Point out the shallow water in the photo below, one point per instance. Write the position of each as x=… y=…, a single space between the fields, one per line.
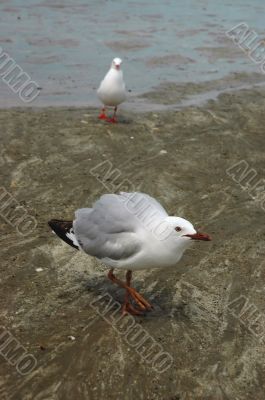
x=174 y=56
x=66 y=46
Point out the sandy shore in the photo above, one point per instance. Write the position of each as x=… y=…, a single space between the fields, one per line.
x=48 y=161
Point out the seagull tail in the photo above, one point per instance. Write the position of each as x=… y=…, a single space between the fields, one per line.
x=64 y=229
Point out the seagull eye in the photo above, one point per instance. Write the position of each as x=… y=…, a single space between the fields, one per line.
x=178 y=229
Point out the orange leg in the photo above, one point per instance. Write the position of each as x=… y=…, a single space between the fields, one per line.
x=130 y=293
x=103 y=115
x=127 y=307
x=113 y=120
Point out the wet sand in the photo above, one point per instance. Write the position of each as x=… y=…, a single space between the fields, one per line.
x=180 y=157
x=67 y=47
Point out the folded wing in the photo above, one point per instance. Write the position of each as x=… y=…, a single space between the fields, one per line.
x=112 y=227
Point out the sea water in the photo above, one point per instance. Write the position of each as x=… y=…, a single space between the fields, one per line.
x=66 y=46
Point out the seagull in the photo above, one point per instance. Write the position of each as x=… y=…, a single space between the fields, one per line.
x=111 y=91
x=129 y=231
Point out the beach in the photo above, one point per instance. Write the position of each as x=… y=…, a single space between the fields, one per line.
x=55 y=160
x=191 y=134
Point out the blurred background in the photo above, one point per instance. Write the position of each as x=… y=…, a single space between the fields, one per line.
x=66 y=46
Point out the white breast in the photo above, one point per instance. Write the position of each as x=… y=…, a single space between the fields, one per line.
x=112 y=89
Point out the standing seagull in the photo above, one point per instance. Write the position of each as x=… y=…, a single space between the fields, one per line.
x=111 y=91
x=129 y=231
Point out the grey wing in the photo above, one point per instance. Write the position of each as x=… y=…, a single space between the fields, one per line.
x=146 y=200
x=107 y=230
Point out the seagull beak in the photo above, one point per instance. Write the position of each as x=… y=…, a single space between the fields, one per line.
x=199 y=236
x=117 y=66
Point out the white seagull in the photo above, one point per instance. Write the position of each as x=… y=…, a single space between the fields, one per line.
x=112 y=90
x=129 y=231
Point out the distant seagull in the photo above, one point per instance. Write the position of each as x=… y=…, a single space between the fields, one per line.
x=112 y=91
x=129 y=231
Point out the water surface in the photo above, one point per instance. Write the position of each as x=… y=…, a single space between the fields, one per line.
x=66 y=46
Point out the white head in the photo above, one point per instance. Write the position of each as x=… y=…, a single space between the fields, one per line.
x=183 y=233
x=116 y=63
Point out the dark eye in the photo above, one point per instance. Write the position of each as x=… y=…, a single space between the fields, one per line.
x=178 y=228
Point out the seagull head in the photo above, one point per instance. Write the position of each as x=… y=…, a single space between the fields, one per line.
x=184 y=231
x=116 y=63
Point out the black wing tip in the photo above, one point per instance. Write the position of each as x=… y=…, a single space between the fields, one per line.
x=61 y=228
x=52 y=222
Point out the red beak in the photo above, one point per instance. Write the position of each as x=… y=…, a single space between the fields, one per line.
x=117 y=66
x=199 y=236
